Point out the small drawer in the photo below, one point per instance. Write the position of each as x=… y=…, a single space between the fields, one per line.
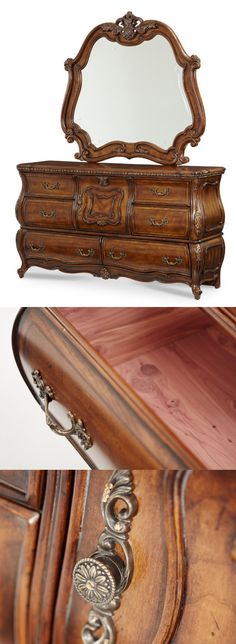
x=102 y=204
x=160 y=222
x=23 y=486
x=47 y=213
x=67 y=248
x=51 y=185
x=162 y=191
x=147 y=256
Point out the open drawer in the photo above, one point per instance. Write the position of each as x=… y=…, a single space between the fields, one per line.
x=147 y=387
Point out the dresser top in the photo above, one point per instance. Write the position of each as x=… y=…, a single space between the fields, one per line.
x=124 y=169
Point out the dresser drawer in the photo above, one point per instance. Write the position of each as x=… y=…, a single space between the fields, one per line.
x=23 y=486
x=47 y=213
x=102 y=204
x=53 y=185
x=68 y=248
x=147 y=256
x=162 y=191
x=160 y=222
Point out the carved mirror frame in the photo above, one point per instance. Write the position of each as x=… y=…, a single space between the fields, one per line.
x=130 y=31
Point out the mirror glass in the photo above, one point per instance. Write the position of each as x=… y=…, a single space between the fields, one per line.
x=133 y=94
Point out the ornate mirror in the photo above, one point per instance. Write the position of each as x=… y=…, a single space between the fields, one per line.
x=132 y=92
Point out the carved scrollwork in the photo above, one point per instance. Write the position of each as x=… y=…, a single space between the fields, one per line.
x=198 y=222
x=103 y=577
x=129 y=26
x=102 y=207
x=104 y=273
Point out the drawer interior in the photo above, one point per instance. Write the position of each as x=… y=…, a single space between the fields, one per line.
x=180 y=362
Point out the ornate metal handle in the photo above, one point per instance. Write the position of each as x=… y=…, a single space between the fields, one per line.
x=77 y=426
x=103 y=577
x=160 y=193
x=167 y=260
x=36 y=249
x=90 y=252
x=103 y=181
x=155 y=222
x=111 y=254
x=44 y=213
x=51 y=186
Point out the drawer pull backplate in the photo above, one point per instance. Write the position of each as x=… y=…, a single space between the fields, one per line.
x=112 y=255
x=160 y=193
x=77 y=426
x=102 y=578
x=174 y=262
x=86 y=253
x=155 y=222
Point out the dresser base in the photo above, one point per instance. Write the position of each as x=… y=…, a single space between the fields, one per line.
x=143 y=222
x=202 y=275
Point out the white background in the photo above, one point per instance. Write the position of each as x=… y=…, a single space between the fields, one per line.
x=36 y=38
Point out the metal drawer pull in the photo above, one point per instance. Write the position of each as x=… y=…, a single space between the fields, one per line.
x=177 y=260
x=155 y=222
x=36 y=249
x=51 y=186
x=90 y=252
x=44 y=213
x=101 y=578
x=77 y=426
x=160 y=193
x=111 y=254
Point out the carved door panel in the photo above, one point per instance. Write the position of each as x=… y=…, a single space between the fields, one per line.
x=102 y=204
x=184 y=548
x=18 y=537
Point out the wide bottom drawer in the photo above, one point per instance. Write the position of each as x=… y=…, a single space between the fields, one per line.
x=67 y=248
x=147 y=256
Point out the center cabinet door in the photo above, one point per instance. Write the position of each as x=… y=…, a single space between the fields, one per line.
x=183 y=542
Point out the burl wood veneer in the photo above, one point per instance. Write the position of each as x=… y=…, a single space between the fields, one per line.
x=184 y=550
x=152 y=387
x=145 y=222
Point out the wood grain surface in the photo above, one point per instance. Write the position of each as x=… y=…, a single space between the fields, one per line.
x=183 y=540
x=181 y=363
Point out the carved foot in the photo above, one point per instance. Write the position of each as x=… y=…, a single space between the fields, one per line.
x=196 y=292
x=22 y=270
x=217 y=282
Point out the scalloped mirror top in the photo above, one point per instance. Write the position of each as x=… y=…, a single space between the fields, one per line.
x=132 y=92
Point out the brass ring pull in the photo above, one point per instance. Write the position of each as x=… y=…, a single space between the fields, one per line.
x=102 y=578
x=160 y=193
x=77 y=426
x=111 y=254
x=35 y=249
x=167 y=260
x=155 y=222
x=51 y=186
x=44 y=213
x=90 y=252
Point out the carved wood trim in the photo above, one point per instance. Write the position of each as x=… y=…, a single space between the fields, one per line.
x=132 y=31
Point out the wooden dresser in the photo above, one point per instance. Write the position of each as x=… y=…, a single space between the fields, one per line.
x=141 y=221
x=183 y=542
x=143 y=388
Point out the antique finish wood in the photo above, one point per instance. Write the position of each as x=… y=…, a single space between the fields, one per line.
x=144 y=222
x=25 y=486
x=18 y=538
x=152 y=387
x=183 y=543
x=132 y=31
